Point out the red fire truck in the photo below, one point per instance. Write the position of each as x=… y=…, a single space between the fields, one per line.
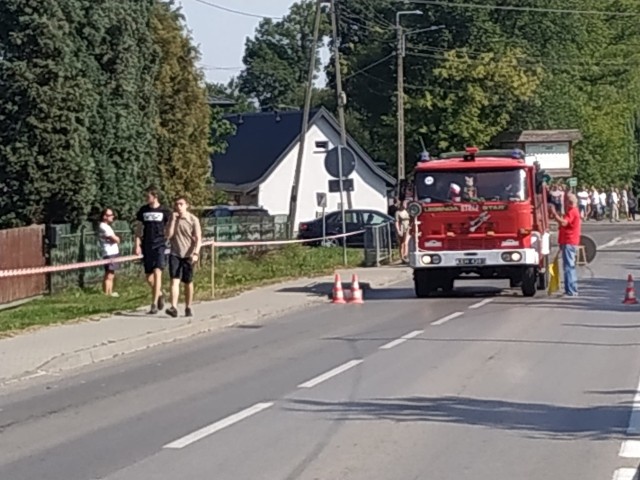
x=478 y=214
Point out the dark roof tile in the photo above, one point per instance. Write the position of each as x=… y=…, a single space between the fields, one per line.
x=260 y=140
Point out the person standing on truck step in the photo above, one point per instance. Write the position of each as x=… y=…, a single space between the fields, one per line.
x=151 y=239
x=185 y=237
x=569 y=239
x=403 y=222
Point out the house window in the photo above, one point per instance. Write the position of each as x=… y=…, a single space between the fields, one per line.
x=322 y=146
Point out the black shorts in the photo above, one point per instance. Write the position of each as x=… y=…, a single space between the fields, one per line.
x=153 y=259
x=180 y=269
x=111 y=267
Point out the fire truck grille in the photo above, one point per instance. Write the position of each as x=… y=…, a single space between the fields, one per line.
x=472 y=244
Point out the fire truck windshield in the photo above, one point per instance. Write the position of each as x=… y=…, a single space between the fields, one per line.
x=465 y=186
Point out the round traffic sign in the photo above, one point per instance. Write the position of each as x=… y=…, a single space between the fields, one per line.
x=590 y=248
x=348 y=162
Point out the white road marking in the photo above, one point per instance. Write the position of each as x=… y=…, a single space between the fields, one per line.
x=401 y=340
x=628 y=242
x=630 y=449
x=217 y=426
x=447 y=318
x=611 y=243
x=331 y=373
x=634 y=419
x=481 y=304
x=625 y=474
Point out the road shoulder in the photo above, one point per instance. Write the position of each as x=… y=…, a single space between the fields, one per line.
x=64 y=347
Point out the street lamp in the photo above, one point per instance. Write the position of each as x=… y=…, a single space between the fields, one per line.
x=400 y=93
x=421 y=30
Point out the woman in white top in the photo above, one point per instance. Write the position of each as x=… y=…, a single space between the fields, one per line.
x=109 y=242
x=624 y=202
x=583 y=203
x=403 y=222
x=595 y=204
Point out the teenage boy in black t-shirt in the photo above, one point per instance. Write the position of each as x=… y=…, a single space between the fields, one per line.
x=151 y=242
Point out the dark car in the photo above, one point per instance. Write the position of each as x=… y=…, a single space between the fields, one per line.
x=355 y=220
x=227 y=211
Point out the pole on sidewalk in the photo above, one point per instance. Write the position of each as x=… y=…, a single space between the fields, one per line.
x=400 y=101
x=213 y=271
x=343 y=134
x=295 y=189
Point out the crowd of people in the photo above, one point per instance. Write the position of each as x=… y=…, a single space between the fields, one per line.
x=614 y=203
x=162 y=236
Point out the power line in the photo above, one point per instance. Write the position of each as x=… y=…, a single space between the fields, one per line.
x=356 y=20
x=368 y=67
x=237 y=12
x=529 y=60
x=442 y=3
x=213 y=67
x=374 y=13
x=413 y=87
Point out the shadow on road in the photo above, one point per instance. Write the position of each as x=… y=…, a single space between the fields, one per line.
x=596 y=294
x=617 y=250
x=395 y=293
x=537 y=420
x=497 y=341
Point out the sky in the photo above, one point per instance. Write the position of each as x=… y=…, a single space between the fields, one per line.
x=221 y=35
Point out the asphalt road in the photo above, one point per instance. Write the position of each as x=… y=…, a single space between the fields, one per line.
x=485 y=385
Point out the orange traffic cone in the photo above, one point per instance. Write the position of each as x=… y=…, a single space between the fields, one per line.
x=630 y=294
x=338 y=294
x=356 y=292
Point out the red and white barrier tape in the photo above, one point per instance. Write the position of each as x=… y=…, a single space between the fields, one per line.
x=22 y=272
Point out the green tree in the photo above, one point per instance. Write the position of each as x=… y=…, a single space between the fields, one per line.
x=123 y=128
x=481 y=96
x=182 y=126
x=47 y=173
x=571 y=70
x=277 y=59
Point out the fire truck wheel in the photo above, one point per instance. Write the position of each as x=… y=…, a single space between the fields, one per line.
x=422 y=285
x=529 y=282
x=543 y=280
x=447 y=285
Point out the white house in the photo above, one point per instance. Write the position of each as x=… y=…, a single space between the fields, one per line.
x=552 y=148
x=259 y=164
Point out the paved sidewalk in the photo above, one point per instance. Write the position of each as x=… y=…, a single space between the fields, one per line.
x=69 y=346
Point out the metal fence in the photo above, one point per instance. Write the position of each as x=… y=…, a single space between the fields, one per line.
x=249 y=229
x=378 y=244
x=82 y=244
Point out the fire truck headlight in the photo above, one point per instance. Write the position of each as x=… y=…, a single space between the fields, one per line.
x=431 y=259
x=511 y=256
x=414 y=209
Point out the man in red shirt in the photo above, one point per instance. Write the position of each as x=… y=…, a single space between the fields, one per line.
x=569 y=239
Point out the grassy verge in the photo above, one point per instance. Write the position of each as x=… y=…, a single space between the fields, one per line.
x=231 y=276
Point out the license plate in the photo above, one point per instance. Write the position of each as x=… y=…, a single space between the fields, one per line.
x=471 y=261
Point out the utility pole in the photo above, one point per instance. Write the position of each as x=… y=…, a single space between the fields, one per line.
x=295 y=189
x=343 y=132
x=400 y=105
x=400 y=93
